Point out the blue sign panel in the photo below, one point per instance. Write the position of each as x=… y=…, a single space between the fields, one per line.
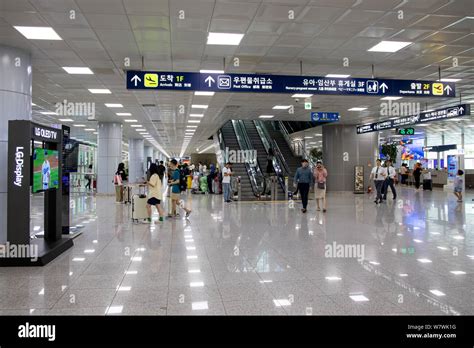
x=324 y=116
x=188 y=81
x=423 y=117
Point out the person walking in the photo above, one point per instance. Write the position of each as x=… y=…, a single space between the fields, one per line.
x=119 y=179
x=404 y=173
x=155 y=194
x=161 y=171
x=210 y=177
x=459 y=185
x=417 y=175
x=378 y=174
x=303 y=179
x=88 y=177
x=389 y=180
x=175 y=183
x=320 y=174
x=226 y=176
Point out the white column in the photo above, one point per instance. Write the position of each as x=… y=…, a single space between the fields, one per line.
x=136 y=160
x=109 y=155
x=15 y=104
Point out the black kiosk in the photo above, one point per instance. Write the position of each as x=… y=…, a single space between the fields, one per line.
x=25 y=171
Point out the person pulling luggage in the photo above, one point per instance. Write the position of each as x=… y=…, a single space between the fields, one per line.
x=155 y=194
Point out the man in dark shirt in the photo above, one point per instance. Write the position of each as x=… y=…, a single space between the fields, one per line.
x=161 y=171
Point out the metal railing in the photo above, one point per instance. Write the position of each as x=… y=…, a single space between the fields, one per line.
x=253 y=169
x=280 y=164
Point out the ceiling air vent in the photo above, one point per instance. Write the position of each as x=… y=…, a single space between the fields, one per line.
x=149 y=105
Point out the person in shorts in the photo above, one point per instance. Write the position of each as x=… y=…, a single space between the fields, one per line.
x=155 y=194
x=459 y=185
x=175 y=194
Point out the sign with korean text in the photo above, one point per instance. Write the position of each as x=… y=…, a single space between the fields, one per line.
x=324 y=116
x=423 y=117
x=190 y=81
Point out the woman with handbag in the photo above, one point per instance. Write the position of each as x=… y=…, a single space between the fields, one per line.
x=320 y=174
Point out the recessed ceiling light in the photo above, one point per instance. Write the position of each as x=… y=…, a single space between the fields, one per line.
x=301 y=95
x=281 y=107
x=136 y=125
x=199 y=106
x=141 y=130
x=204 y=71
x=308 y=137
x=123 y=114
x=198 y=306
x=449 y=80
x=332 y=278
x=100 y=91
x=389 y=46
x=224 y=39
x=196 y=115
x=47 y=113
x=38 y=33
x=341 y=76
x=90 y=129
x=109 y=105
x=79 y=125
x=391 y=98
x=78 y=70
x=66 y=120
x=130 y=121
x=194 y=121
x=190 y=126
x=33 y=104
x=357 y=109
x=266 y=116
x=205 y=94
x=403 y=275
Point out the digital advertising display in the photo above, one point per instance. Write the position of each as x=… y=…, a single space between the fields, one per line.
x=45 y=170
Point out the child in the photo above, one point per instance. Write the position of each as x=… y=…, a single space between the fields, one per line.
x=155 y=196
x=174 y=181
x=459 y=185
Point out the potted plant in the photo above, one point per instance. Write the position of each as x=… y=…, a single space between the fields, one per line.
x=390 y=151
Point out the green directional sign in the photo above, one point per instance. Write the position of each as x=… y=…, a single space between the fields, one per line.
x=406 y=131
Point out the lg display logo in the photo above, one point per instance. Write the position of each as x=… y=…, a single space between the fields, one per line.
x=19 y=163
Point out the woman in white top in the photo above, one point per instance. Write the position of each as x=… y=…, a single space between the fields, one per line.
x=155 y=194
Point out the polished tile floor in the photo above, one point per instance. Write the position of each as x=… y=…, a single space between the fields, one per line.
x=410 y=256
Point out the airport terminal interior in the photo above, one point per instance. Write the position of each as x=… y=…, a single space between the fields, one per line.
x=255 y=126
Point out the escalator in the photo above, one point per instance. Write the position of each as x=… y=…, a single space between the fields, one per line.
x=249 y=191
x=278 y=134
x=261 y=144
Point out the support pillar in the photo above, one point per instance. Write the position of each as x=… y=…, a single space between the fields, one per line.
x=15 y=104
x=343 y=149
x=109 y=149
x=136 y=160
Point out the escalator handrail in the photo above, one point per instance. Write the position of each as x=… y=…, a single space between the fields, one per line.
x=244 y=144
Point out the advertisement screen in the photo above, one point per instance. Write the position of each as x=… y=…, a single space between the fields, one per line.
x=45 y=170
x=412 y=152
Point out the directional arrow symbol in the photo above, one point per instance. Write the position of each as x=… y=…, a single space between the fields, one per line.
x=136 y=79
x=209 y=80
x=461 y=109
x=383 y=87
x=448 y=89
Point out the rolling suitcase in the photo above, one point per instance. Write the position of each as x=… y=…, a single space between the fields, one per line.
x=139 y=211
x=427 y=184
x=127 y=194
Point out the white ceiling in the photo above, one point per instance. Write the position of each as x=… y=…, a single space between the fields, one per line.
x=323 y=32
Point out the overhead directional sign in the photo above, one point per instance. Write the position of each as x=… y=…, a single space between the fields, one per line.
x=440 y=148
x=324 y=116
x=188 y=81
x=423 y=117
